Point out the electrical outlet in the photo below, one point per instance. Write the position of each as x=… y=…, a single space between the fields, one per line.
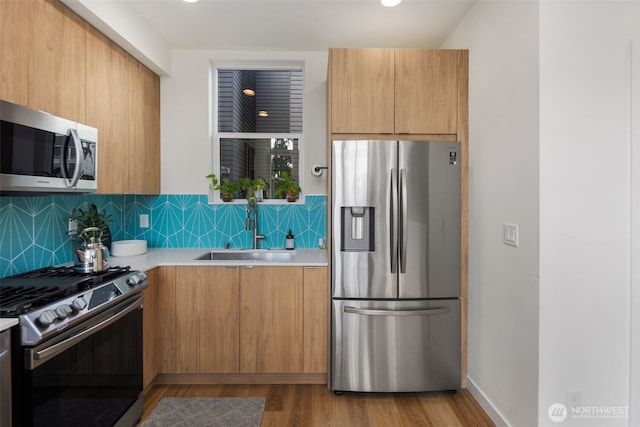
x=72 y=227
x=574 y=399
x=510 y=234
x=144 y=221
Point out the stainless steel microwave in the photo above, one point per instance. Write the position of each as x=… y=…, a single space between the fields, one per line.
x=42 y=153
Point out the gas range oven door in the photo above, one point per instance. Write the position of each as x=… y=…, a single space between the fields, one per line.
x=88 y=375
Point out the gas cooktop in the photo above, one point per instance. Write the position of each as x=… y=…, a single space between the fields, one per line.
x=24 y=292
x=50 y=299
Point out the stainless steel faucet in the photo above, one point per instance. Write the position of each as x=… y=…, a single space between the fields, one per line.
x=252 y=205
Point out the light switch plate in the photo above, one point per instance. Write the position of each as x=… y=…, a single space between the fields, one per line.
x=144 y=221
x=510 y=234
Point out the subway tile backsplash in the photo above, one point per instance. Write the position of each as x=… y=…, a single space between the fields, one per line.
x=33 y=229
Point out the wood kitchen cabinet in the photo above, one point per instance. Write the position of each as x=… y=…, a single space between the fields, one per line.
x=271 y=316
x=166 y=319
x=52 y=60
x=206 y=339
x=361 y=82
x=149 y=328
x=394 y=91
x=108 y=85
x=57 y=61
x=14 y=45
x=316 y=326
x=143 y=155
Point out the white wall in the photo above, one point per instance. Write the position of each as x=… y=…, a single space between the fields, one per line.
x=585 y=205
x=186 y=134
x=502 y=38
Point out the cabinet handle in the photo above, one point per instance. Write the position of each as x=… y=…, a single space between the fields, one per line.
x=247 y=266
x=311 y=267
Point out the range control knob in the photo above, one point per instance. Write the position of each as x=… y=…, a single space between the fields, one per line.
x=47 y=318
x=63 y=310
x=78 y=304
x=136 y=279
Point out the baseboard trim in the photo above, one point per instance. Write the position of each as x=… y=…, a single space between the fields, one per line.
x=167 y=379
x=486 y=404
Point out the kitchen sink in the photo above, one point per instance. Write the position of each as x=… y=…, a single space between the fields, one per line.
x=248 y=255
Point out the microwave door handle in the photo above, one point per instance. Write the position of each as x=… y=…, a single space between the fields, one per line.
x=393 y=226
x=73 y=134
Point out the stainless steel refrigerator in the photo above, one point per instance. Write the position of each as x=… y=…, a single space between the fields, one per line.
x=395 y=266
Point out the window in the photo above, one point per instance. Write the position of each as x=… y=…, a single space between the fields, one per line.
x=259 y=125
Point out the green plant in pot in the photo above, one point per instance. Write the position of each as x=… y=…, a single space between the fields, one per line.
x=286 y=187
x=91 y=217
x=214 y=181
x=247 y=186
x=259 y=186
x=227 y=189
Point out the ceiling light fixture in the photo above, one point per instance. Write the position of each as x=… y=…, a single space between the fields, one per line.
x=249 y=92
x=263 y=113
x=390 y=3
x=190 y=1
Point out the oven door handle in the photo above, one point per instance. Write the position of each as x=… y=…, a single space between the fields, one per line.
x=41 y=356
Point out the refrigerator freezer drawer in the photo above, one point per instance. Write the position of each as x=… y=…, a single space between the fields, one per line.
x=395 y=346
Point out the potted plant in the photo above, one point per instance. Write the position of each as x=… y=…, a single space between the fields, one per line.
x=227 y=189
x=286 y=186
x=212 y=185
x=246 y=185
x=259 y=186
x=91 y=217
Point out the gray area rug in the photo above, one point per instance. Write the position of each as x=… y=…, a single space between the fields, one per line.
x=207 y=411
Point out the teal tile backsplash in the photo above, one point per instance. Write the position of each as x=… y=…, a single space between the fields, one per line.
x=33 y=229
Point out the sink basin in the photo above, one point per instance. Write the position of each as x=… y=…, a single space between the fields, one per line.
x=248 y=255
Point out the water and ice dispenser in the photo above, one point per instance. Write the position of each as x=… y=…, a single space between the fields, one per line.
x=357 y=225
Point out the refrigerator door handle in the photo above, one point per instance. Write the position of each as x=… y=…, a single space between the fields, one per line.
x=393 y=221
x=403 y=220
x=421 y=312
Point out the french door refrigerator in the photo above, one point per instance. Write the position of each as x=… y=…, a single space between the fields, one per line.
x=395 y=266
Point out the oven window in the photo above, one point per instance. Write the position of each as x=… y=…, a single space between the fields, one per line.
x=90 y=384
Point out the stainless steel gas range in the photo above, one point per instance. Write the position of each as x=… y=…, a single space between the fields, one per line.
x=77 y=351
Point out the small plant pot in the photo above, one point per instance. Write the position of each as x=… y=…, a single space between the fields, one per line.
x=292 y=197
x=226 y=197
x=259 y=195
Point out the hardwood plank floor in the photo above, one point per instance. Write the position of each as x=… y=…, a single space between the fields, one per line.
x=316 y=405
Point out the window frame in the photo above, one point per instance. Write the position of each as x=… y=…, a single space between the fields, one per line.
x=216 y=135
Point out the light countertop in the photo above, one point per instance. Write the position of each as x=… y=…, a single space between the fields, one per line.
x=156 y=257
x=7 y=323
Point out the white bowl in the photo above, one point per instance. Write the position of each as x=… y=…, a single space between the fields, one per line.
x=128 y=247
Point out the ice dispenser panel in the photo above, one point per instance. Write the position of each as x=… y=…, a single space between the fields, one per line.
x=357 y=224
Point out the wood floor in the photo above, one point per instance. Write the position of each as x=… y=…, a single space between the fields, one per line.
x=316 y=405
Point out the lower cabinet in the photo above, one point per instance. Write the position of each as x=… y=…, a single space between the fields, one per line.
x=149 y=325
x=271 y=328
x=241 y=320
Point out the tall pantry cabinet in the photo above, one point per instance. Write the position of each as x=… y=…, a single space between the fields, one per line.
x=403 y=94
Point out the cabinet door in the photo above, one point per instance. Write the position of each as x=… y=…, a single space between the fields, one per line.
x=316 y=320
x=166 y=320
x=207 y=320
x=149 y=327
x=108 y=82
x=57 y=61
x=271 y=320
x=15 y=39
x=426 y=91
x=362 y=90
x=144 y=131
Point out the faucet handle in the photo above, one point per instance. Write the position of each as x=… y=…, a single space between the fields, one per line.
x=227 y=245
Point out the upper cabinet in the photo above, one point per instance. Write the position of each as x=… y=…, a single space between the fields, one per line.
x=54 y=61
x=394 y=91
x=361 y=82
